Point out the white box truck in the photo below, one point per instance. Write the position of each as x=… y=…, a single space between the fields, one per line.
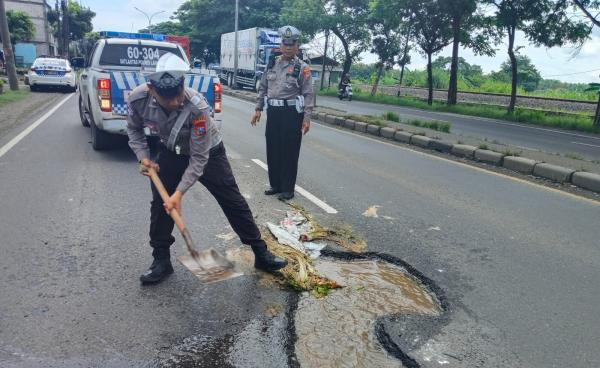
x=255 y=47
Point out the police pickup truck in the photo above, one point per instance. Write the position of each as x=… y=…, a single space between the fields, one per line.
x=114 y=67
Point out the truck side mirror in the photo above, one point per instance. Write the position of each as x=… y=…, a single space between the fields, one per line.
x=77 y=62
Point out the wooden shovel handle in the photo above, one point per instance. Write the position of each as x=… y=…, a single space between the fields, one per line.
x=165 y=197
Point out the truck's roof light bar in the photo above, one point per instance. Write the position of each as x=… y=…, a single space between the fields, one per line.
x=133 y=36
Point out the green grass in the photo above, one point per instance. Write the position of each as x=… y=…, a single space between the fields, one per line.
x=523 y=115
x=392 y=116
x=435 y=125
x=12 y=96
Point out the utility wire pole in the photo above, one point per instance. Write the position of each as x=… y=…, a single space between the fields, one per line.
x=65 y=28
x=9 y=58
x=324 y=57
x=235 y=48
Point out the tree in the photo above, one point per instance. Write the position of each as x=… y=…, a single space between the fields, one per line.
x=432 y=32
x=169 y=27
x=595 y=87
x=403 y=59
x=470 y=73
x=346 y=19
x=20 y=26
x=80 y=20
x=544 y=22
x=205 y=20
x=70 y=22
x=528 y=77
x=460 y=12
x=385 y=26
x=588 y=7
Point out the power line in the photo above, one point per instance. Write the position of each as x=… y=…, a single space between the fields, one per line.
x=563 y=75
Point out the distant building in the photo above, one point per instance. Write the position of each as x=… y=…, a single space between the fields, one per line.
x=37 y=10
x=333 y=71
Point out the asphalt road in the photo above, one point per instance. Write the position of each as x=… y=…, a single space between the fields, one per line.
x=525 y=136
x=516 y=263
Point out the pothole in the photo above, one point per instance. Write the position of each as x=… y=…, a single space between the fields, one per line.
x=339 y=330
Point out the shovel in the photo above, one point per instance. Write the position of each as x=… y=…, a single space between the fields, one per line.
x=208 y=265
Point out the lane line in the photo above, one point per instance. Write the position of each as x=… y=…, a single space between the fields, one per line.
x=467 y=166
x=30 y=128
x=586 y=144
x=319 y=203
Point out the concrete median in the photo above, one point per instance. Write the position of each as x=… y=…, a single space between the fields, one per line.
x=387 y=132
x=359 y=126
x=441 y=146
x=463 y=150
x=373 y=129
x=403 y=137
x=339 y=121
x=553 y=172
x=489 y=157
x=349 y=124
x=420 y=140
x=586 y=180
x=330 y=119
x=519 y=164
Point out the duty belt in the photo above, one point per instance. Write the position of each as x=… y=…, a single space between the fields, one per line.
x=279 y=103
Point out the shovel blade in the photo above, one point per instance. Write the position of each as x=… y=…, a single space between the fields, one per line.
x=210 y=266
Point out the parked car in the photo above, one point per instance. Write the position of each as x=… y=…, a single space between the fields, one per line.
x=52 y=72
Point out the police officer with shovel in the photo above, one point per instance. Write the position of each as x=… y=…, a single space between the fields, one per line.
x=190 y=150
x=286 y=91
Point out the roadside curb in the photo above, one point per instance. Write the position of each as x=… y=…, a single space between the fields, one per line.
x=559 y=174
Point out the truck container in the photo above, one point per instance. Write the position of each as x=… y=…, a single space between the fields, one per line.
x=255 y=47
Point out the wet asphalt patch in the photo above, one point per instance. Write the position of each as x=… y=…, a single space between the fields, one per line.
x=349 y=327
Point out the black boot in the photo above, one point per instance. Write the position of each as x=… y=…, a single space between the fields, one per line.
x=272 y=191
x=265 y=260
x=286 y=196
x=158 y=271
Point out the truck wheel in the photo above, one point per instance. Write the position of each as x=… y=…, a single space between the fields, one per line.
x=82 y=114
x=100 y=139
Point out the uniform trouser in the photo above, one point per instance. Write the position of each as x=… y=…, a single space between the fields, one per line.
x=218 y=179
x=284 y=136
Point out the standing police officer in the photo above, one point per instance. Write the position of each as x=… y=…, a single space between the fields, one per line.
x=286 y=88
x=190 y=150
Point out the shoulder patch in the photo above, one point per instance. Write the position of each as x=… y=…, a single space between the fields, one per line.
x=199 y=125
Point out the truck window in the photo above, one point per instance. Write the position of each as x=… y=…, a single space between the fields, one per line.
x=88 y=60
x=135 y=55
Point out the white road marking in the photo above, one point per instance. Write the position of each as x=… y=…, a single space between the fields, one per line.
x=30 y=128
x=324 y=206
x=586 y=144
x=471 y=167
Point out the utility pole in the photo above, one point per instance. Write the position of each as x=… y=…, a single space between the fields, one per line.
x=9 y=58
x=235 y=48
x=65 y=28
x=324 y=57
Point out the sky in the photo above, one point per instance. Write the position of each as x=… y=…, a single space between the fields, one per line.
x=556 y=63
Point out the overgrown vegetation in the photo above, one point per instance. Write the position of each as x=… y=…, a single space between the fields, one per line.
x=12 y=96
x=547 y=118
x=472 y=79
